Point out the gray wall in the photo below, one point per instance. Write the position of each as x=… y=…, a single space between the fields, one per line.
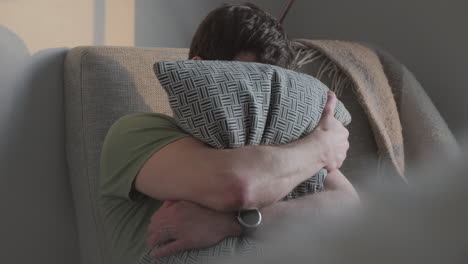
x=429 y=36
x=172 y=23
x=166 y=24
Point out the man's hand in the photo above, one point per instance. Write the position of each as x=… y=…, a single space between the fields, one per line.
x=185 y=225
x=332 y=135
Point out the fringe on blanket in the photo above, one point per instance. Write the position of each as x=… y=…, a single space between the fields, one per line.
x=305 y=55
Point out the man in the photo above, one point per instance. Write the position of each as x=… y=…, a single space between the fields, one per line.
x=147 y=159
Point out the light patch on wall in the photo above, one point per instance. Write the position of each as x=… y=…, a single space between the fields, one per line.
x=120 y=22
x=44 y=24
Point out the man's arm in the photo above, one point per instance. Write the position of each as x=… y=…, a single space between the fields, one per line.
x=226 y=180
x=251 y=176
x=190 y=225
x=339 y=194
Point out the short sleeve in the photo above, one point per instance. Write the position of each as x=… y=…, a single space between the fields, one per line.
x=129 y=143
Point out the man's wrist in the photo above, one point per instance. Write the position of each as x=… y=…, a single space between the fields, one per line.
x=234 y=227
x=316 y=147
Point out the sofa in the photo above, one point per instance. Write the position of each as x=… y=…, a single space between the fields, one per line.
x=103 y=84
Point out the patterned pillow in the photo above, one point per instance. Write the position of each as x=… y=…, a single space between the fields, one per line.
x=229 y=104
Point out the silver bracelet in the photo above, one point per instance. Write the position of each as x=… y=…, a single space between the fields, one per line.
x=250 y=218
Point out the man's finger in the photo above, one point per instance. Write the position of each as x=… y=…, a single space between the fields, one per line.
x=331 y=103
x=169 y=249
x=155 y=238
x=162 y=235
x=156 y=223
x=329 y=110
x=168 y=203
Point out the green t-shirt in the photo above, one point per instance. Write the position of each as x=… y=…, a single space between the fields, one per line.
x=130 y=142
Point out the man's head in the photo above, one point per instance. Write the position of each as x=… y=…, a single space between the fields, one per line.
x=241 y=32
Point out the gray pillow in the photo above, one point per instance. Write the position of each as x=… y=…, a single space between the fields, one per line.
x=229 y=104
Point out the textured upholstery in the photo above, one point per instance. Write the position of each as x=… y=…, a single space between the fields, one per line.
x=101 y=85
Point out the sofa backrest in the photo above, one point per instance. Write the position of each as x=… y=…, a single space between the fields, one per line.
x=103 y=84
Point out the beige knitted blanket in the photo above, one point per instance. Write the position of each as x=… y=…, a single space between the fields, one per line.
x=364 y=69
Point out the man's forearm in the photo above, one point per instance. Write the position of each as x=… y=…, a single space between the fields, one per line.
x=268 y=173
x=339 y=194
x=229 y=179
x=311 y=205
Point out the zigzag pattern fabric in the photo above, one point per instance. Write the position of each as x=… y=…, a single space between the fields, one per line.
x=225 y=250
x=229 y=104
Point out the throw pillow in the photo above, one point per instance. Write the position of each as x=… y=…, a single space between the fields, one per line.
x=229 y=104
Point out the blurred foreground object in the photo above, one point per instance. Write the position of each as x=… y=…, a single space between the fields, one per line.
x=423 y=224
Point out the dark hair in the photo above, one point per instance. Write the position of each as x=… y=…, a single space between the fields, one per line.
x=231 y=29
